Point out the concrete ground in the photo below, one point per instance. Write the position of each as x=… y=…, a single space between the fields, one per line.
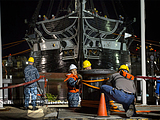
x=62 y=112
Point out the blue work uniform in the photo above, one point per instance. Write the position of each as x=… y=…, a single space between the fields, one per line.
x=121 y=91
x=31 y=73
x=157 y=87
x=73 y=90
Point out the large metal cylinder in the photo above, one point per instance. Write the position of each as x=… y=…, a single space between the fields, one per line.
x=92 y=81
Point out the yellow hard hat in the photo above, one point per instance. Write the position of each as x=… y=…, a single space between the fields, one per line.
x=86 y=64
x=124 y=67
x=31 y=59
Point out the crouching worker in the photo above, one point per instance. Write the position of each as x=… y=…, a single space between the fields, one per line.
x=122 y=90
x=73 y=81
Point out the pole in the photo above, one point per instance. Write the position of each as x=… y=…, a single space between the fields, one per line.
x=81 y=35
x=143 y=54
x=1 y=93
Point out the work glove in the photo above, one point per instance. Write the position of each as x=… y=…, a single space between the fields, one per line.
x=79 y=76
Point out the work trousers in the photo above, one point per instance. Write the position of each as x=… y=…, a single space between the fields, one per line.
x=33 y=92
x=117 y=95
x=158 y=87
x=73 y=99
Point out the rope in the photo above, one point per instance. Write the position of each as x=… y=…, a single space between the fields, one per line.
x=83 y=82
x=22 y=84
x=90 y=86
x=18 y=53
x=114 y=9
x=11 y=46
x=50 y=9
x=95 y=80
x=94 y=104
x=14 y=42
x=138 y=40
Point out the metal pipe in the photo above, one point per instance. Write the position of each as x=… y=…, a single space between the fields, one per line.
x=81 y=35
x=143 y=54
x=1 y=93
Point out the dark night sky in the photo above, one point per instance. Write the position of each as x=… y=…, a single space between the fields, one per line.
x=13 y=13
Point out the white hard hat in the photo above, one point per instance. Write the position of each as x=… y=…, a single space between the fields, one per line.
x=72 y=66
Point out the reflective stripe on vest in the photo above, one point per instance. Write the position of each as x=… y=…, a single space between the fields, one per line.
x=74 y=91
x=127 y=75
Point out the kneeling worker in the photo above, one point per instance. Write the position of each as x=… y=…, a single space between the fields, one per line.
x=122 y=90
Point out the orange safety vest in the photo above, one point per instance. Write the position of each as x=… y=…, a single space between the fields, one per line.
x=71 y=89
x=127 y=75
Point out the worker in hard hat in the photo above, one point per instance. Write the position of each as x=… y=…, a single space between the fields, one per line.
x=157 y=88
x=73 y=81
x=87 y=65
x=122 y=90
x=45 y=17
x=31 y=73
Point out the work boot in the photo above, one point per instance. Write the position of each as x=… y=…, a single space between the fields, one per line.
x=34 y=108
x=157 y=96
x=108 y=113
x=131 y=111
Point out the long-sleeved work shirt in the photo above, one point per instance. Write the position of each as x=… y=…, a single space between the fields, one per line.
x=31 y=73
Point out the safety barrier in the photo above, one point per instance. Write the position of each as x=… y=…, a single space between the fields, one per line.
x=146 y=77
x=143 y=89
x=18 y=96
x=22 y=84
x=85 y=82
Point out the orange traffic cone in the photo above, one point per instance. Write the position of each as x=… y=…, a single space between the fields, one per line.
x=102 y=111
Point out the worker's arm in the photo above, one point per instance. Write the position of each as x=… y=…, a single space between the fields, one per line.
x=71 y=82
x=37 y=74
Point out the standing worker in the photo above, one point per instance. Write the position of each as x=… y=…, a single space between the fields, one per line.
x=87 y=65
x=73 y=81
x=122 y=90
x=31 y=73
x=157 y=90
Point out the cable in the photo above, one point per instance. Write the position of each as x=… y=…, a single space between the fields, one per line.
x=50 y=9
x=115 y=9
